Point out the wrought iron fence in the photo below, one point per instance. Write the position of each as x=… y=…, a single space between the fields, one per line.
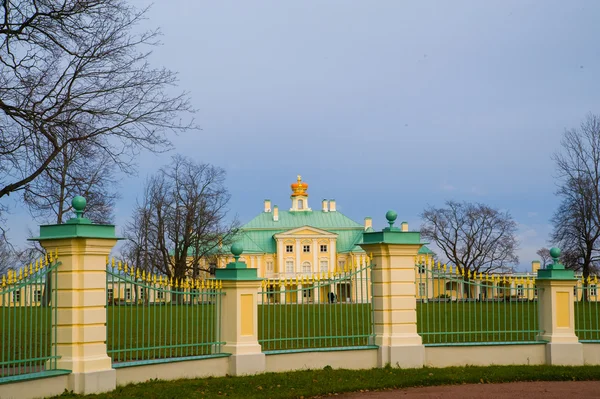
x=454 y=307
x=27 y=321
x=587 y=309
x=323 y=310
x=152 y=317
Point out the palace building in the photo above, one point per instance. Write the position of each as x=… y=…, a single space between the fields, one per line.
x=301 y=241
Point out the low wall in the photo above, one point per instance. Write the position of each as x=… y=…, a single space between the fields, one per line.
x=30 y=389
x=337 y=359
x=485 y=355
x=591 y=354
x=212 y=367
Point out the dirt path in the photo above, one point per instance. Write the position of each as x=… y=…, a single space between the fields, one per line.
x=513 y=390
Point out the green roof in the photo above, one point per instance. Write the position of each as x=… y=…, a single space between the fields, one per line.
x=425 y=251
x=290 y=220
x=256 y=236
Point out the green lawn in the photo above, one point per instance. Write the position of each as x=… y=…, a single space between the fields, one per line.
x=300 y=326
x=461 y=322
x=328 y=382
x=167 y=331
x=161 y=331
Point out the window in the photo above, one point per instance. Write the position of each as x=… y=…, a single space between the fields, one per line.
x=519 y=289
x=300 y=204
x=127 y=293
x=211 y=268
x=38 y=295
x=141 y=296
x=422 y=269
x=306 y=267
x=593 y=290
x=535 y=291
x=306 y=248
x=422 y=290
x=16 y=296
x=160 y=295
x=289 y=249
x=289 y=266
x=341 y=264
x=324 y=266
x=110 y=294
x=323 y=248
x=307 y=293
x=269 y=266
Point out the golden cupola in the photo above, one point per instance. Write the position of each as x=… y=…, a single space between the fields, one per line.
x=299 y=195
x=299 y=188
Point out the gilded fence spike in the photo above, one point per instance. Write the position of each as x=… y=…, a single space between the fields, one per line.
x=203 y=286
x=3 y=281
x=56 y=253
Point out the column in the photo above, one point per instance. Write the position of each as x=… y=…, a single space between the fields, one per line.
x=316 y=252
x=239 y=319
x=297 y=265
x=556 y=311
x=83 y=248
x=394 y=295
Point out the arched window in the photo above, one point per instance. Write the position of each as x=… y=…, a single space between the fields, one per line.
x=306 y=267
x=300 y=204
x=289 y=266
x=324 y=266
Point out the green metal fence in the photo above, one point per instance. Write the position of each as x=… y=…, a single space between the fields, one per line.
x=587 y=310
x=454 y=308
x=151 y=318
x=316 y=311
x=27 y=322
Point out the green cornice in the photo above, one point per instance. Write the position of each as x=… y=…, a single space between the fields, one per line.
x=74 y=230
x=388 y=236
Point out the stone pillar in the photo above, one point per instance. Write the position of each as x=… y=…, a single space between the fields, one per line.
x=394 y=294
x=239 y=316
x=83 y=248
x=556 y=310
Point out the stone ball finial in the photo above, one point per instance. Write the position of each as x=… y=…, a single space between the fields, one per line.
x=391 y=217
x=555 y=253
x=78 y=203
x=237 y=249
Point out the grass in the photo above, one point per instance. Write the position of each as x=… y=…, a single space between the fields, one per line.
x=302 y=326
x=311 y=383
x=137 y=332
x=464 y=322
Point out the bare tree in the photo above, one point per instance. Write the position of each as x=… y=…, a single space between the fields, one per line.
x=7 y=258
x=474 y=237
x=77 y=71
x=544 y=254
x=78 y=170
x=577 y=219
x=182 y=219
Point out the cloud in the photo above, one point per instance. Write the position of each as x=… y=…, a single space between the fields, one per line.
x=447 y=187
x=477 y=191
x=531 y=214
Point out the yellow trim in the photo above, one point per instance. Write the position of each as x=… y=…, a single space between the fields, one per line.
x=563 y=316
x=247 y=313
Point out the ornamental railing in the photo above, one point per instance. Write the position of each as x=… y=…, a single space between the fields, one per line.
x=587 y=309
x=27 y=321
x=457 y=308
x=323 y=311
x=151 y=318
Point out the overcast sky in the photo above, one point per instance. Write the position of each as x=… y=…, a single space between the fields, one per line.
x=380 y=104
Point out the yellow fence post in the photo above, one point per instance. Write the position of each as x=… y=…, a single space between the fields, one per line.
x=394 y=294
x=239 y=316
x=557 y=314
x=80 y=339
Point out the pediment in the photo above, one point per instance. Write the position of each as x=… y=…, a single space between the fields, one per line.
x=306 y=231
